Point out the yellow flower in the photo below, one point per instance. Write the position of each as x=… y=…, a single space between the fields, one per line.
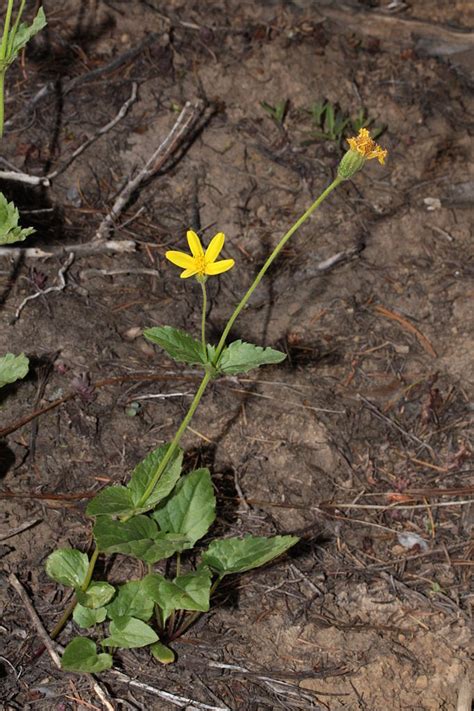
x=367 y=147
x=201 y=263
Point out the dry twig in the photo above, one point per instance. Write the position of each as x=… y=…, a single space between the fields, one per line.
x=184 y=123
x=60 y=287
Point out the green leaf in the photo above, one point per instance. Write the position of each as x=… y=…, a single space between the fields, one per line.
x=97 y=595
x=81 y=655
x=139 y=537
x=240 y=357
x=10 y=230
x=68 y=566
x=12 y=368
x=191 y=509
x=111 y=500
x=143 y=474
x=178 y=344
x=85 y=617
x=236 y=555
x=132 y=600
x=130 y=633
x=162 y=653
x=186 y=592
x=25 y=33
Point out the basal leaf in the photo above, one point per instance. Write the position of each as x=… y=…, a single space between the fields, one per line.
x=178 y=344
x=12 y=368
x=81 y=655
x=10 y=230
x=111 y=500
x=191 y=508
x=97 y=595
x=132 y=600
x=139 y=537
x=85 y=617
x=186 y=592
x=143 y=474
x=236 y=555
x=162 y=653
x=67 y=566
x=129 y=633
x=240 y=357
x=133 y=536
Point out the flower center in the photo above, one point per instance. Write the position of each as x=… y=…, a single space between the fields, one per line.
x=200 y=263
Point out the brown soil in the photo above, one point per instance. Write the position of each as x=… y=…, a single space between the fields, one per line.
x=371 y=407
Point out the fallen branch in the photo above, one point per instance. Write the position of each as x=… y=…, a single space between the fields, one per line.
x=171 y=698
x=45 y=181
x=105 y=129
x=184 y=123
x=117 y=246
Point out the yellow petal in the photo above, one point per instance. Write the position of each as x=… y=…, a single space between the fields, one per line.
x=215 y=246
x=194 y=244
x=219 y=267
x=188 y=273
x=181 y=259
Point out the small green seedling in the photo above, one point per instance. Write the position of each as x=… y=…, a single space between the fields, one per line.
x=278 y=112
x=10 y=230
x=15 y=37
x=332 y=124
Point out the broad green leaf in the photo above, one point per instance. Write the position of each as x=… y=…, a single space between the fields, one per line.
x=178 y=344
x=162 y=653
x=186 y=592
x=143 y=474
x=111 y=500
x=85 y=617
x=236 y=555
x=97 y=595
x=240 y=357
x=68 y=566
x=164 y=546
x=191 y=508
x=81 y=655
x=10 y=230
x=25 y=33
x=132 y=600
x=133 y=536
x=129 y=633
x=12 y=368
x=124 y=500
x=139 y=537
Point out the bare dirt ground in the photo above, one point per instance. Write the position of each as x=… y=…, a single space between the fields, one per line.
x=359 y=442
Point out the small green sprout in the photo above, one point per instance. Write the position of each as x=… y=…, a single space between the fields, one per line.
x=331 y=123
x=278 y=112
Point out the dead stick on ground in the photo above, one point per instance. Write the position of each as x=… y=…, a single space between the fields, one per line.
x=19 y=529
x=61 y=286
x=121 y=246
x=48 y=643
x=185 y=121
x=172 y=698
x=100 y=132
x=45 y=181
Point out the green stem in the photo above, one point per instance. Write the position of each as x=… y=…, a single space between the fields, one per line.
x=203 y=318
x=70 y=608
x=12 y=34
x=178 y=564
x=270 y=261
x=175 y=442
x=6 y=30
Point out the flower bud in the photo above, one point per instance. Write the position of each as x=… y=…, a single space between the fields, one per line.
x=351 y=163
